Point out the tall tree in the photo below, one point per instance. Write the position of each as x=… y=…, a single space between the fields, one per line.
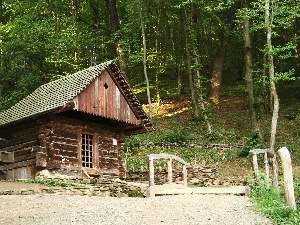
x=270 y=64
x=174 y=38
x=145 y=59
x=1 y=80
x=201 y=99
x=114 y=26
x=187 y=29
x=249 y=74
x=218 y=63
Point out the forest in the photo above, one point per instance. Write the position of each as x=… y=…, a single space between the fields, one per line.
x=167 y=49
x=211 y=74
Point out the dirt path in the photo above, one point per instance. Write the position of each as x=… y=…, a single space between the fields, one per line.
x=163 y=210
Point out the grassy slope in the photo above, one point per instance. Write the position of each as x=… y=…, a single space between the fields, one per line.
x=231 y=124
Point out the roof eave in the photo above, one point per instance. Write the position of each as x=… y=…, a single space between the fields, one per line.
x=68 y=106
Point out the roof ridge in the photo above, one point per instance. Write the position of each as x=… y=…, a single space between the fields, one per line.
x=56 y=95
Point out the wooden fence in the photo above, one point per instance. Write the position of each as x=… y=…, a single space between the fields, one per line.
x=169 y=157
x=286 y=167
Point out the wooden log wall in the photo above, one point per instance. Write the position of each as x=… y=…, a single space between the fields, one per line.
x=23 y=141
x=111 y=161
x=53 y=143
x=60 y=139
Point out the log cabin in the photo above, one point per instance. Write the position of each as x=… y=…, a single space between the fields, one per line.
x=72 y=127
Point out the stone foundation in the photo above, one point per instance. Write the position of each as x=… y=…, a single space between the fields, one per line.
x=92 y=187
x=198 y=176
x=134 y=185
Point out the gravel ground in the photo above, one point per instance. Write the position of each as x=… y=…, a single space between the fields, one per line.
x=163 y=210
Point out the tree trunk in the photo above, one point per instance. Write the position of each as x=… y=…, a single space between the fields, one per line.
x=173 y=40
x=145 y=60
x=198 y=79
x=297 y=27
x=158 y=52
x=270 y=63
x=249 y=78
x=201 y=100
x=1 y=14
x=189 y=65
x=218 y=64
x=114 y=26
x=74 y=18
x=56 y=31
x=217 y=72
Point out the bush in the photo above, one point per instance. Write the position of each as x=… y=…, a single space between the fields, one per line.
x=251 y=143
x=292 y=112
x=179 y=136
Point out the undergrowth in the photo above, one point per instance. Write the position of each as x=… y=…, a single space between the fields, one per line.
x=193 y=155
x=184 y=142
x=271 y=202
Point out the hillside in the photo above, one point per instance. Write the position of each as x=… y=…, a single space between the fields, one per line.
x=178 y=133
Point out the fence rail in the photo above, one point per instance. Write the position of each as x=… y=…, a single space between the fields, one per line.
x=168 y=157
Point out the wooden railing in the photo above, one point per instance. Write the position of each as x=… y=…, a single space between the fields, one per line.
x=266 y=153
x=286 y=167
x=168 y=157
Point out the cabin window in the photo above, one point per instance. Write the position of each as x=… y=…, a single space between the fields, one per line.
x=87 y=150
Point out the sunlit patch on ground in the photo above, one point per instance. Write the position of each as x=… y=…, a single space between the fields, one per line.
x=168 y=108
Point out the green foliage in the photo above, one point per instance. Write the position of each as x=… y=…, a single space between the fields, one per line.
x=133 y=141
x=177 y=135
x=270 y=201
x=222 y=135
x=284 y=76
x=259 y=182
x=136 y=163
x=193 y=155
x=292 y=111
x=297 y=188
x=139 y=146
x=41 y=41
x=250 y=143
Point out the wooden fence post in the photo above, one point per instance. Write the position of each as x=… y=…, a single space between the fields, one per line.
x=170 y=158
x=266 y=165
x=255 y=166
x=275 y=171
x=151 y=172
x=287 y=176
x=254 y=162
x=170 y=174
x=184 y=174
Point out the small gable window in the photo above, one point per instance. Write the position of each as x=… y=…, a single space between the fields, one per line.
x=87 y=150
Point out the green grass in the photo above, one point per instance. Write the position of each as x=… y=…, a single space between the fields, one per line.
x=271 y=202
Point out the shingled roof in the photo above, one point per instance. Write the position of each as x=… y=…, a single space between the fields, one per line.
x=58 y=94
